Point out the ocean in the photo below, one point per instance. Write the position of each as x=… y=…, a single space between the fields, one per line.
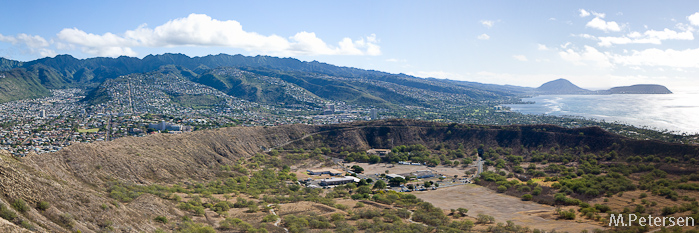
x=678 y=112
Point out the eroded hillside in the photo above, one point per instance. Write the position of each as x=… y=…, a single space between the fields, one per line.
x=79 y=181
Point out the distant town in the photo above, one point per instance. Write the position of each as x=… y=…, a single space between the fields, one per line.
x=49 y=124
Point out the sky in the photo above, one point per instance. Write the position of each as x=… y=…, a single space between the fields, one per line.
x=594 y=44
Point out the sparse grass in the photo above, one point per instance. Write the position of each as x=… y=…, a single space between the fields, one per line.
x=93 y=130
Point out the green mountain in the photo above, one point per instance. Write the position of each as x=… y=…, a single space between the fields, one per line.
x=254 y=87
x=271 y=80
x=7 y=64
x=20 y=84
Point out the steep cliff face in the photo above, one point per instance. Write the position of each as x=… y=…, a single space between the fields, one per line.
x=386 y=134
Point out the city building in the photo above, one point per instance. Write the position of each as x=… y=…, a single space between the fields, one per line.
x=380 y=152
x=170 y=127
x=391 y=176
x=374 y=114
x=338 y=181
x=331 y=172
x=419 y=174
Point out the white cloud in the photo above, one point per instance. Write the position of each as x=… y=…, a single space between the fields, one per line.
x=520 y=57
x=598 y=23
x=688 y=58
x=395 y=60
x=24 y=39
x=694 y=19
x=587 y=56
x=34 y=44
x=684 y=27
x=648 y=37
x=584 y=13
x=202 y=30
x=594 y=82
x=565 y=45
x=542 y=47
x=586 y=36
x=483 y=37
x=488 y=23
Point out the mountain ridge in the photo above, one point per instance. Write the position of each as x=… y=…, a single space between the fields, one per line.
x=347 y=84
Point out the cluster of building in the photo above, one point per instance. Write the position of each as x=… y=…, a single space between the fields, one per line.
x=421 y=174
x=138 y=104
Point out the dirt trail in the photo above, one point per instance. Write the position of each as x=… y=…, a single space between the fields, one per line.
x=481 y=200
x=279 y=219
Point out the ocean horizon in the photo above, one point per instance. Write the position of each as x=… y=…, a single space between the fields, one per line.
x=677 y=113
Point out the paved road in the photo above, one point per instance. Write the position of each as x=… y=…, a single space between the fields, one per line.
x=479 y=163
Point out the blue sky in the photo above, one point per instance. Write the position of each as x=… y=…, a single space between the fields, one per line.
x=595 y=44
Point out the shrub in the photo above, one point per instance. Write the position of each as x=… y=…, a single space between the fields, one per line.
x=7 y=213
x=20 y=205
x=42 y=205
x=161 y=219
x=199 y=210
x=537 y=190
x=502 y=189
x=570 y=215
x=197 y=227
x=359 y=205
x=341 y=206
x=66 y=220
x=270 y=218
x=337 y=217
x=26 y=224
x=482 y=218
x=526 y=197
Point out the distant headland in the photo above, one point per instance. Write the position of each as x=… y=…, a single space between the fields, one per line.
x=565 y=87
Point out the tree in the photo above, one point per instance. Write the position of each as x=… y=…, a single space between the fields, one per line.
x=379 y=184
x=374 y=159
x=467 y=161
x=362 y=182
x=396 y=181
x=364 y=190
x=482 y=218
x=357 y=169
x=427 y=184
x=462 y=211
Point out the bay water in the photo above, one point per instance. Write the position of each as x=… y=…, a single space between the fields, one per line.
x=678 y=112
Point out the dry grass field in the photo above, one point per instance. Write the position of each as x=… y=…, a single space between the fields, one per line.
x=481 y=200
